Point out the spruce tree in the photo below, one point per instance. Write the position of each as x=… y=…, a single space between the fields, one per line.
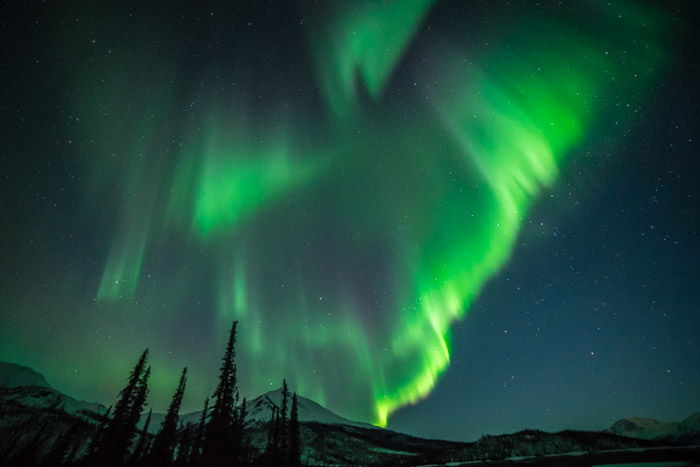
x=294 y=438
x=284 y=425
x=242 y=413
x=270 y=450
x=243 y=445
x=74 y=452
x=141 y=448
x=123 y=443
x=99 y=433
x=113 y=441
x=164 y=444
x=196 y=453
x=127 y=395
x=184 y=449
x=29 y=453
x=219 y=444
x=60 y=449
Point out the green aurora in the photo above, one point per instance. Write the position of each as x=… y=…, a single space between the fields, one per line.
x=347 y=228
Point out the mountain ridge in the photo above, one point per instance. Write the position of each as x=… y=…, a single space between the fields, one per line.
x=26 y=386
x=13 y=375
x=29 y=413
x=686 y=431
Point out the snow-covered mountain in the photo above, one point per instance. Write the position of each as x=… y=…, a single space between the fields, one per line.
x=649 y=428
x=25 y=386
x=260 y=409
x=30 y=407
x=13 y=376
x=33 y=415
x=22 y=385
x=643 y=428
x=31 y=410
x=48 y=398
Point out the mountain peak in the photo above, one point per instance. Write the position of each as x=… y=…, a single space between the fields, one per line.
x=260 y=409
x=13 y=376
x=652 y=429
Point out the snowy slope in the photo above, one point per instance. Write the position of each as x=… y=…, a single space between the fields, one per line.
x=48 y=398
x=648 y=428
x=331 y=439
x=643 y=428
x=260 y=409
x=22 y=385
x=12 y=376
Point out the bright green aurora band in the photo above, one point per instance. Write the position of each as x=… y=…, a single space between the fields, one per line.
x=347 y=243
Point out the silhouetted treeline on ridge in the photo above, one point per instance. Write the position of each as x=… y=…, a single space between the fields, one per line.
x=218 y=438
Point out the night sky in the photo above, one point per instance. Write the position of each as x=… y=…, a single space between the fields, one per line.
x=450 y=217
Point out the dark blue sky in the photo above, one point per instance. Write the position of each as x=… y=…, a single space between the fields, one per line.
x=595 y=318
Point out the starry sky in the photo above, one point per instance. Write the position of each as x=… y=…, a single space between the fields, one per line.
x=449 y=218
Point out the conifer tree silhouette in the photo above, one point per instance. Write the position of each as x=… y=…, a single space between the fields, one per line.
x=99 y=433
x=284 y=421
x=60 y=449
x=184 y=447
x=270 y=450
x=144 y=441
x=294 y=434
x=164 y=444
x=220 y=445
x=134 y=415
x=27 y=454
x=243 y=444
x=196 y=454
x=114 y=441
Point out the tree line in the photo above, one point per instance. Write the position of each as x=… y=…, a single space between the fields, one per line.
x=218 y=438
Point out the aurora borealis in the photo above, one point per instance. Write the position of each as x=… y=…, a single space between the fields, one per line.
x=343 y=178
